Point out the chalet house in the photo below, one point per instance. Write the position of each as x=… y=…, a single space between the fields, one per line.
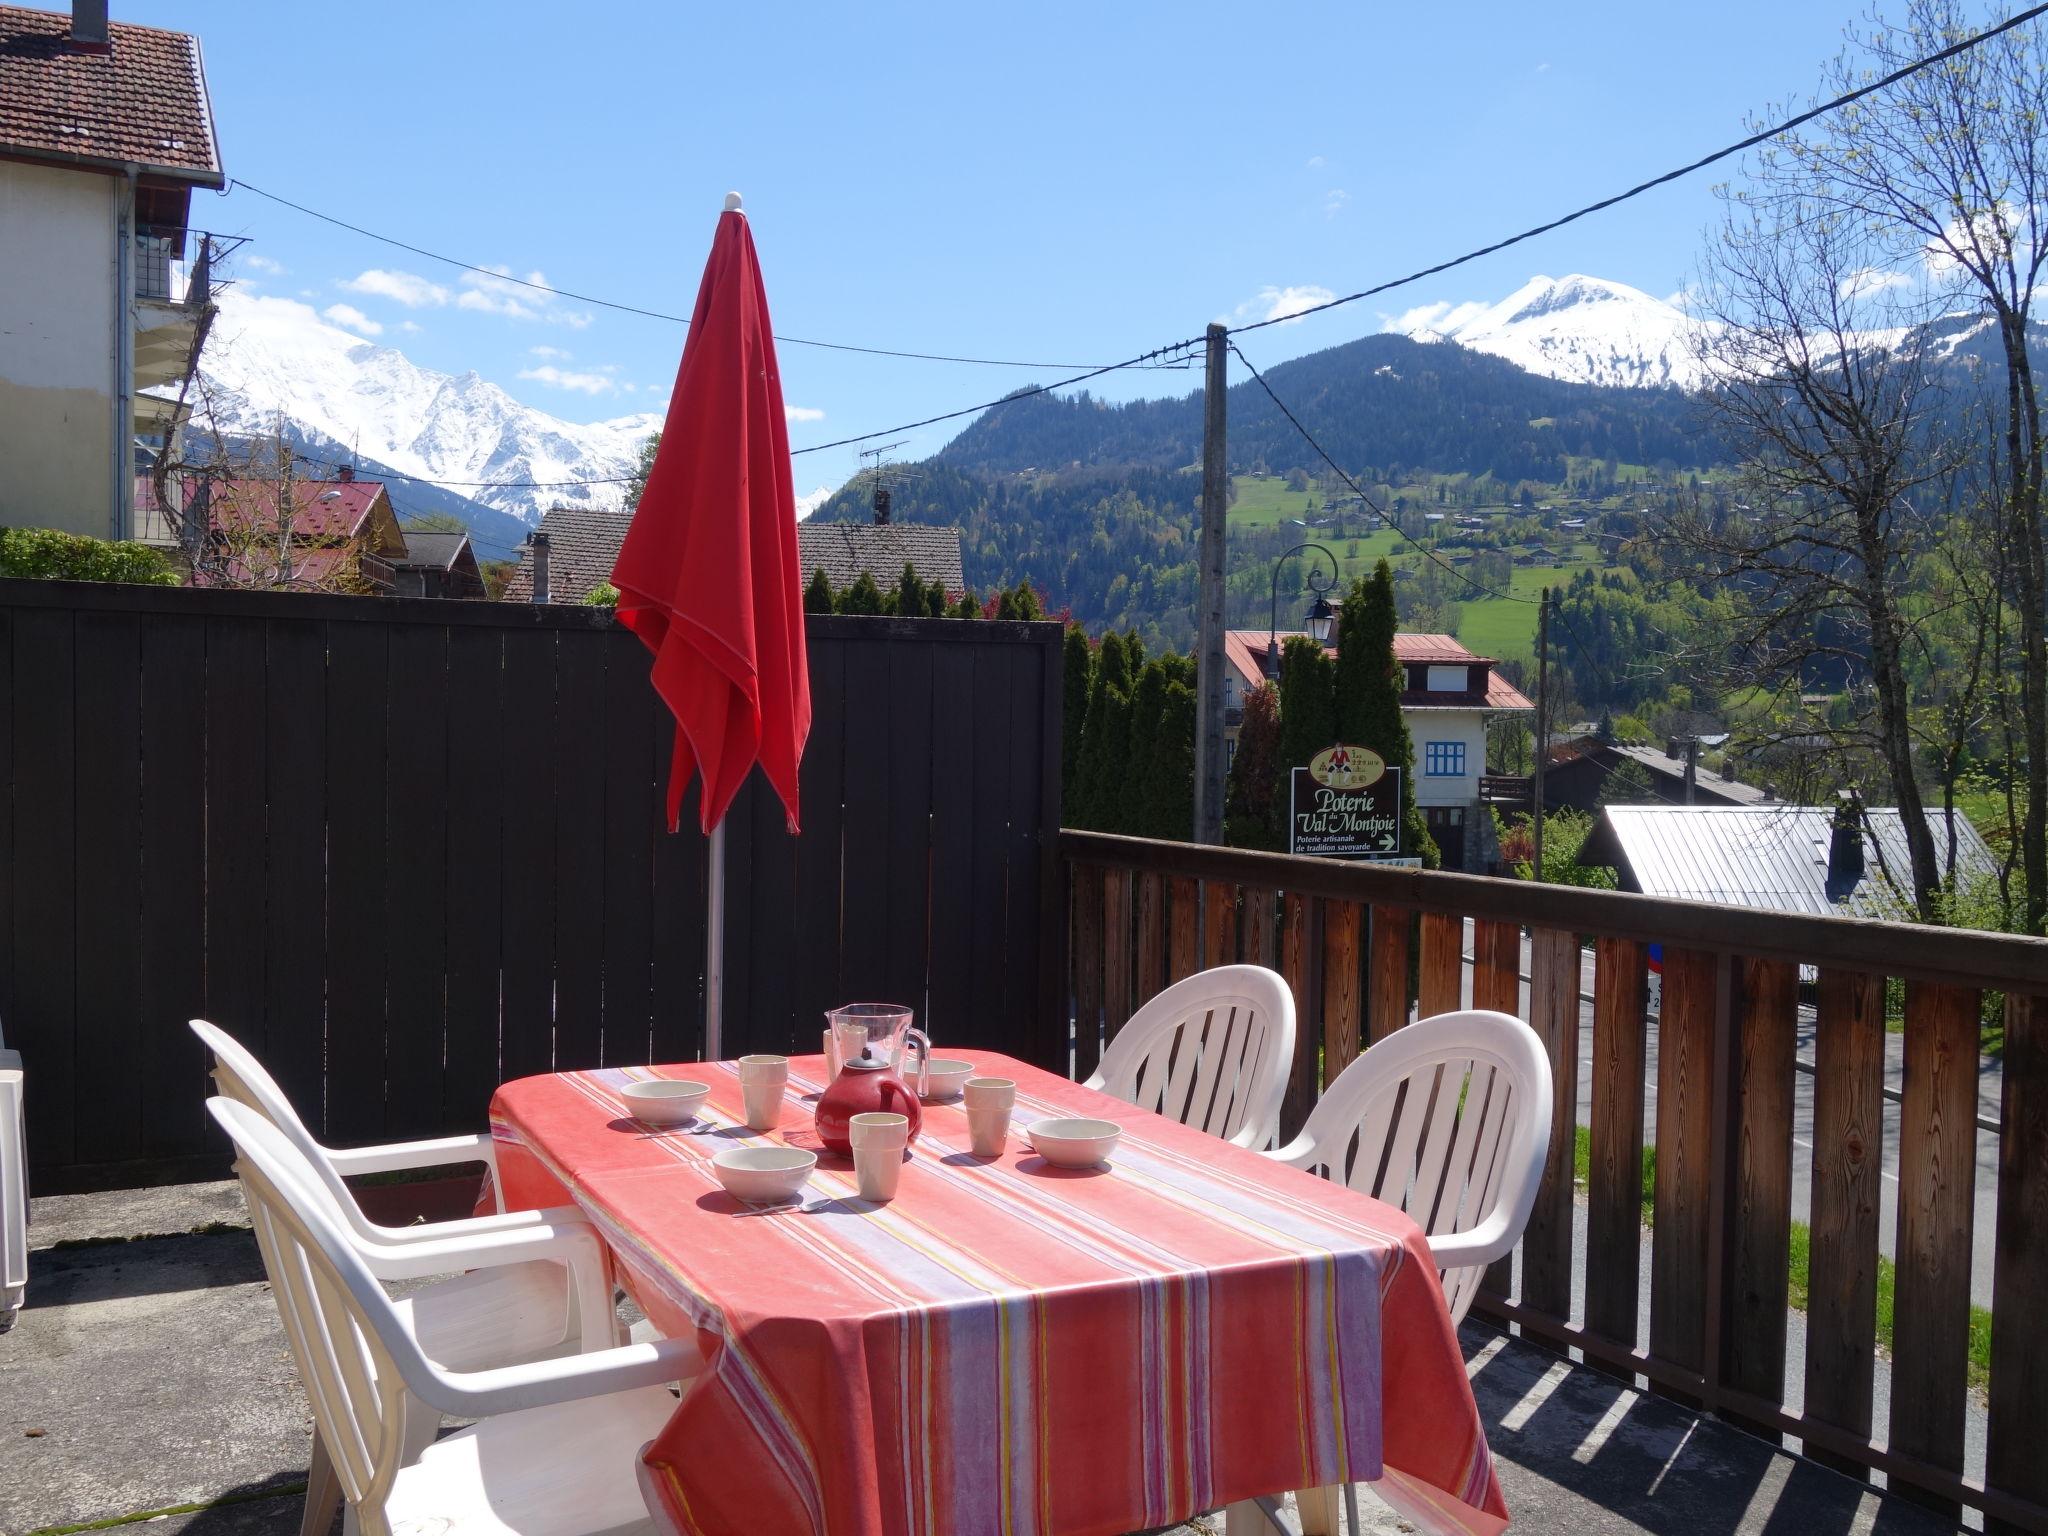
x=572 y=552
x=1448 y=698
x=105 y=130
x=437 y=565
x=844 y=550
x=343 y=536
x=1576 y=772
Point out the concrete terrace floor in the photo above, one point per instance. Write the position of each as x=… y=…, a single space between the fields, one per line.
x=148 y=1372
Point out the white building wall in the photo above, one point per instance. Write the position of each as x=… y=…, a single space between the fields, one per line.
x=57 y=348
x=1465 y=727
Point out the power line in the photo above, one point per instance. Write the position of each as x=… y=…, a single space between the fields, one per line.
x=1684 y=170
x=627 y=309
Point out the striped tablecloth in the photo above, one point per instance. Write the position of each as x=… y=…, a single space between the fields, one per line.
x=1011 y=1347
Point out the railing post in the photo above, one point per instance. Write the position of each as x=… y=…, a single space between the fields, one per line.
x=2019 y=1344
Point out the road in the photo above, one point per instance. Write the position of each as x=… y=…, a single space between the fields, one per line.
x=1989 y=1087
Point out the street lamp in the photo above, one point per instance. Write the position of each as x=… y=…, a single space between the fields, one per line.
x=1320 y=615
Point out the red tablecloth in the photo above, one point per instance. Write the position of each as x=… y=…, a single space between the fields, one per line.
x=1011 y=1347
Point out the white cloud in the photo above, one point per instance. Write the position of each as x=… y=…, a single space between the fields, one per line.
x=255 y=261
x=547 y=351
x=1316 y=162
x=1871 y=280
x=410 y=327
x=1543 y=68
x=594 y=383
x=1274 y=303
x=1988 y=232
x=1334 y=201
x=499 y=292
x=351 y=318
x=407 y=288
x=802 y=413
x=1443 y=317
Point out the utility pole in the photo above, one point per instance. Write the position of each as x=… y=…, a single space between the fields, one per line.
x=1542 y=721
x=1209 y=619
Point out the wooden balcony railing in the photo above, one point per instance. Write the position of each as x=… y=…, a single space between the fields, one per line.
x=1366 y=947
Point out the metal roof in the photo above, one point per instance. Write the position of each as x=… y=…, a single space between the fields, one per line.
x=1773 y=858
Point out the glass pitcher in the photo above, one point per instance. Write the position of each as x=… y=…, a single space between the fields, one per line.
x=883 y=1032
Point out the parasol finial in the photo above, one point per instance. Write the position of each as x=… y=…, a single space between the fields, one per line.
x=732 y=202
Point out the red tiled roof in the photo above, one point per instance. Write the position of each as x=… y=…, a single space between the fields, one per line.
x=142 y=100
x=1245 y=649
x=321 y=509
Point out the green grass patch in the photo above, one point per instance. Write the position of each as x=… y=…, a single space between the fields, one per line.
x=1263 y=503
x=1799 y=1289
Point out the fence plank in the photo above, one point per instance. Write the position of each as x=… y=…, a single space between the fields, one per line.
x=1387 y=975
x=1117 y=1005
x=1685 y=1130
x=107 y=740
x=357 y=735
x=1848 y=1136
x=906 y=904
x=2019 y=1344
x=864 y=970
x=681 y=900
x=1029 y=859
x=632 y=807
x=1298 y=951
x=527 y=899
x=1219 y=923
x=579 y=750
x=1614 y=1184
x=416 y=880
x=1343 y=1009
x=1150 y=971
x=1554 y=1015
x=954 y=785
x=236 y=832
x=1761 y=1205
x=1182 y=950
x=1937 y=1178
x=1497 y=984
x=989 y=724
x=173 y=840
x=477 y=852
x=1441 y=986
x=1086 y=906
x=295 y=895
x=1261 y=931
x=43 y=1026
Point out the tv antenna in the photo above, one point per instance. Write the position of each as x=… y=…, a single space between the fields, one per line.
x=885 y=474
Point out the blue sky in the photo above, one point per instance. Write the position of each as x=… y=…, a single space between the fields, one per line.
x=1051 y=183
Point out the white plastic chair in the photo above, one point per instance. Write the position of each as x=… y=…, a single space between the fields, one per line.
x=1212 y=1051
x=553 y=1451
x=13 y=1190
x=1449 y=1119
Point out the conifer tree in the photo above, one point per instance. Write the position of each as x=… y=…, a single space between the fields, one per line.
x=969 y=606
x=818 y=595
x=909 y=593
x=1248 y=799
x=1135 y=787
x=934 y=601
x=1079 y=659
x=1308 y=718
x=862 y=597
x=1369 y=697
x=1170 y=776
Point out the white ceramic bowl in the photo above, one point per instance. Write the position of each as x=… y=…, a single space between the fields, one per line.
x=1074 y=1143
x=947 y=1079
x=763 y=1175
x=665 y=1101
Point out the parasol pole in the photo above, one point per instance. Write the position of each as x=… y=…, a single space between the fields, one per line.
x=714 y=946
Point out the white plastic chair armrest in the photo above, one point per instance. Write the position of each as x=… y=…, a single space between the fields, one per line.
x=1483 y=1244
x=510 y=1388
x=1298 y=1153
x=571 y=1241
x=1096 y=1082
x=400 y=1156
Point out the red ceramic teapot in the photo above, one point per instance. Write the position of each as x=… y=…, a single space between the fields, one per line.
x=865 y=1085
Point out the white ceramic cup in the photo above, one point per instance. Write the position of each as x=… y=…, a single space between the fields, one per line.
x=762 y=1081
x=831 y=1055
x=878 y=1141
x=988 y=1129
x=990 y=1093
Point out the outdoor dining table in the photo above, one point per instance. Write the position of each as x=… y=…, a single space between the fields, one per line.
x=1009 y=1346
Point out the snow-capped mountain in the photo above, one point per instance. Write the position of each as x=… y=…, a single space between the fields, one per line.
x=1583 y=329
x=266 y=355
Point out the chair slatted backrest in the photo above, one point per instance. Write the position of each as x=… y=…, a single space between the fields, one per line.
x=344 y=1335
x=1211 y=1051
x=1447 y=1118
x=241 y=1077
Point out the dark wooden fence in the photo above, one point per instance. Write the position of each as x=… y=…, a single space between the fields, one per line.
x=409 y=849
x=1366 y=948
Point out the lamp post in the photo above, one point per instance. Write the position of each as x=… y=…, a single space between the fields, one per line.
x=1320 y=614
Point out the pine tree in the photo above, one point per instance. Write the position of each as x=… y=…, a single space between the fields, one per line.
x=1105 y=746
x=1370 y=714
x=1170 y=776
x=1136 y=789
x=909 y=593
x=1079 y=659
x=1248 y=800
x=1308 y=718
x=818 y=595
x=934 y=601
x=969 y=606
x=1026 y=601
x=862 y=597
